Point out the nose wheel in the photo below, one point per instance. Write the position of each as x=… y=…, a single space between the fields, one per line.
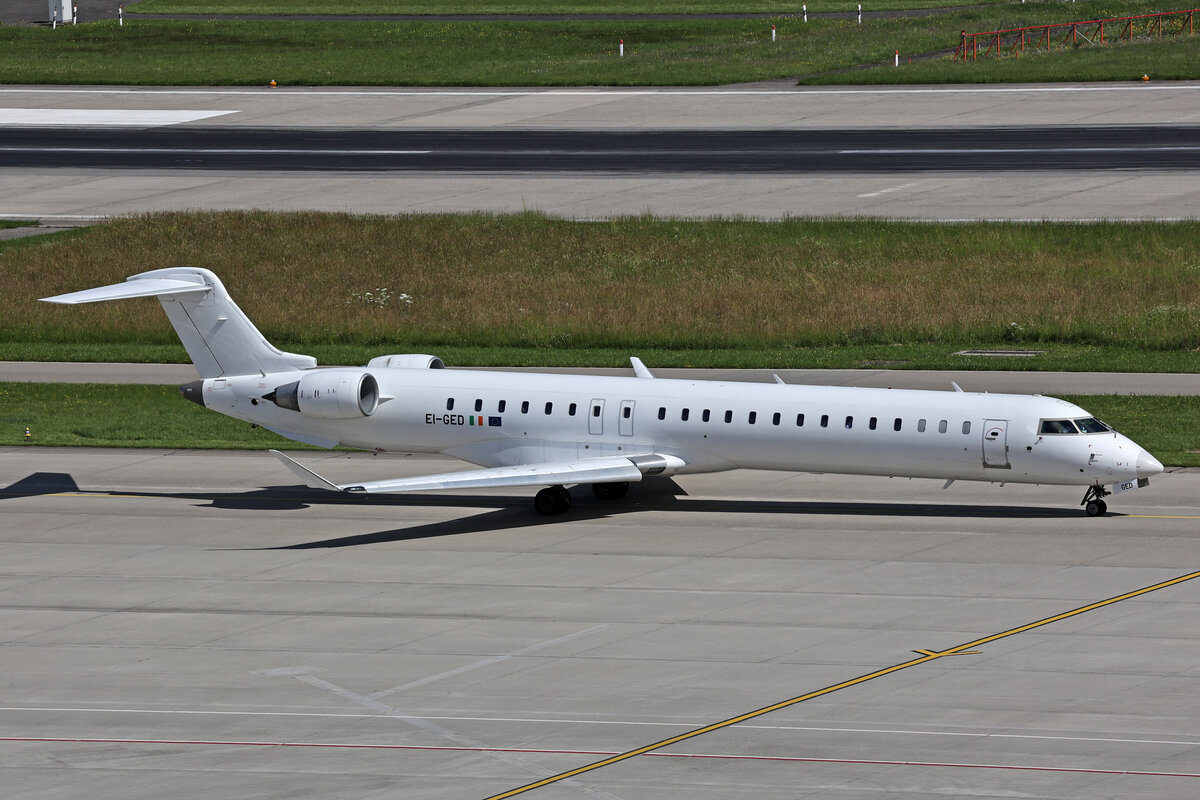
x=1093 y=501
x=552 y=500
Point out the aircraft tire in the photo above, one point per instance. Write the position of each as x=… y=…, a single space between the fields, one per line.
x=552 y=500
x=1095 y=508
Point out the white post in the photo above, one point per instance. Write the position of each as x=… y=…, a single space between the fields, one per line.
x=805 y=6
x=75 y=14
x=772 y=33
x=860 y=12
x=54 y=20
x=622 y=48
x=120 y=16
x=897 y=59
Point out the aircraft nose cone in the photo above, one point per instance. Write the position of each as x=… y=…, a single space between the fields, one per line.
x=1148 y=465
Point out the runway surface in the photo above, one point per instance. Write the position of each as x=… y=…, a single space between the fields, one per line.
x=618 y=152
x=1111 y=151
x=195 y=621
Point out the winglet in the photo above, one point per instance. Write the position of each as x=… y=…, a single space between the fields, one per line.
x=778 y=379
x=310 y=478
x=957 y=388
x=639 y=368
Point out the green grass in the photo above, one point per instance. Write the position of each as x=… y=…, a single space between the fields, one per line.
x=512 y=53
x=785 y=289
x=631 y=7
x=101 y=415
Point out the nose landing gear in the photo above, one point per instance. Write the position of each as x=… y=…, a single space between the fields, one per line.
x=1093 y=501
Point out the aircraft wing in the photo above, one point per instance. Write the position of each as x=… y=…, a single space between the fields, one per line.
x=593 y=470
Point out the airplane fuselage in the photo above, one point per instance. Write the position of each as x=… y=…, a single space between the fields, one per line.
x=503 y=418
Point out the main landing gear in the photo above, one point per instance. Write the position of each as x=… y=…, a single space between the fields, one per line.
x=552 y=500
x=1093 y=502
x=556 y=499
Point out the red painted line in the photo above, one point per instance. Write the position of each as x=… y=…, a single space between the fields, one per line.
x=543 y=751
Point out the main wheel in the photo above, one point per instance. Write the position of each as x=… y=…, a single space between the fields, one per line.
x=552 y=500
x=610 y=491
x=1095 y=508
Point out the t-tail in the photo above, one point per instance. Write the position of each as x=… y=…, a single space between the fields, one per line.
x=219 y=338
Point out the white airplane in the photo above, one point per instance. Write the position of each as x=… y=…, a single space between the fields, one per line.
x=527 y=429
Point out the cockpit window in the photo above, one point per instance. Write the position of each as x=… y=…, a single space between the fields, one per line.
x=1058 y=426
x=1092 y=425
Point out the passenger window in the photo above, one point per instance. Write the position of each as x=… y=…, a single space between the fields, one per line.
x=500 y=406
x=595 y=411
x=478 y=405
x=920 y=426
x=873 y=423
x=849 y=423
x=683 y=415
x=662 y=412
x=799 y=420
x=824 y=420
x=1058 y=426
x=524 y=406
x=626 y=412
x=942 y=426
x=775 y=418
x=549 y=408
x=896 y=426
x=450 y=404
x=571 y=410
x=966 y=427
x=704 y=415
x=728 y=416
x=1092 y=425
x=753 y=417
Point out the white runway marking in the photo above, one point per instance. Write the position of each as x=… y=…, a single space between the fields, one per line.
x=533 y=648
x=889 y=190
x=99 y=118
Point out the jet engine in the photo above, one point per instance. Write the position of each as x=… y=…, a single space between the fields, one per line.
x=330 y=394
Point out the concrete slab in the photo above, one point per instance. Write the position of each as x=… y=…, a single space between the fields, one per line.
x=154 y=630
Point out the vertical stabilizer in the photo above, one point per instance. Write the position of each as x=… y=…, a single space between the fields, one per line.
x=219 y=338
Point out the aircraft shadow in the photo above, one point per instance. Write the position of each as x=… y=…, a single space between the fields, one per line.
x=507 y=512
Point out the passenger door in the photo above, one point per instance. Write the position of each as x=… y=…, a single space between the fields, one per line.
x=995 y=444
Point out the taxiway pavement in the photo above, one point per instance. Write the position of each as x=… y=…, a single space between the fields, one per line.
x=1018 y=382
x=194 y=624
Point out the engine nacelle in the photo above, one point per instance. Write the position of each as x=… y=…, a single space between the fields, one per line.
x=330 y=394
x=407 y=361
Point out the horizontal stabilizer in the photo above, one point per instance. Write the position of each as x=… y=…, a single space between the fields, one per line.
x=131 y=288
x=596 y=470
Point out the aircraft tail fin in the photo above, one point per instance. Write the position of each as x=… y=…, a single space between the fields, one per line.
x=219 y=338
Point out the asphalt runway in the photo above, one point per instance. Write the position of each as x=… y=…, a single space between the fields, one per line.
x=195 y=624
x=524 y=151
x=1073 y=152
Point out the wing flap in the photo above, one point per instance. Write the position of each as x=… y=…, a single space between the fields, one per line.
x=597 y=470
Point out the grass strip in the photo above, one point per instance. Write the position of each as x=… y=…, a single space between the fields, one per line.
x=105 y=415
x=364 y=285
x=524 y=7
x=560 y=53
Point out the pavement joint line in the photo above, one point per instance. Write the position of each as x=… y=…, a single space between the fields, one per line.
x=930 y=655
x=553 y=751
